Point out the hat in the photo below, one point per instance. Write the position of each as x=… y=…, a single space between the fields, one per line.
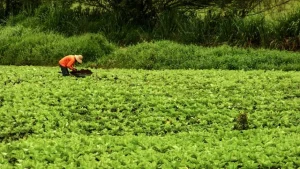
x=79 y=58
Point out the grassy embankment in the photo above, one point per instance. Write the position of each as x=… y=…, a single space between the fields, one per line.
x=24 y=46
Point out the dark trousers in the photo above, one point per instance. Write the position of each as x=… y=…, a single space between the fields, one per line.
x=64 y=71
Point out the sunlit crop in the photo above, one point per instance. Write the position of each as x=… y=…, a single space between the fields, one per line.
x=121 y=118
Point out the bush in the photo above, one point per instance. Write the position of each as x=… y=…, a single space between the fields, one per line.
x=24 y=46
x=170 y=55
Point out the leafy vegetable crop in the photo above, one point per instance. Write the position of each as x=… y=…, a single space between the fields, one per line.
x=121 y=118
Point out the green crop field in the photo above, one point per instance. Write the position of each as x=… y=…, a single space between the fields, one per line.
x=126 y=118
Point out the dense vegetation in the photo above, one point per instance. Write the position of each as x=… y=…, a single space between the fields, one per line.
x=41 y=32
x=169 y=55
x=24 y=46
x=269 y=23
x=121 y=118
x=242 y=113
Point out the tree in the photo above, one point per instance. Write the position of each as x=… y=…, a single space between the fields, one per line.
x=13 y=7
x=141 y=12
x=243 y=8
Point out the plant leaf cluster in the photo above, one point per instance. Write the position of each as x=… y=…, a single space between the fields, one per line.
x=120 y=118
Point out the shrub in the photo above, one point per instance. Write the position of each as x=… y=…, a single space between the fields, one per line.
x=241 y=122
x=170 y=55
x=24 y=46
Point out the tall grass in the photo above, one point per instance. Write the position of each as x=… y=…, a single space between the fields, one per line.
x=287 y=31
x=216 y=29
x=211 y=29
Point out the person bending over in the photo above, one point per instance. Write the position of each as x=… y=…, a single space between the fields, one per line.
x=68 y=62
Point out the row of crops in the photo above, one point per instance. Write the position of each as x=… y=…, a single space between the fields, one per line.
x=125 y=118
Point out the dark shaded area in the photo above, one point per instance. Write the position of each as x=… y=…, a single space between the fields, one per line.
x=16 y=135
x=81 y=73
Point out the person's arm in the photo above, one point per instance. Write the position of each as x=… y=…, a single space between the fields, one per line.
x=71 y=63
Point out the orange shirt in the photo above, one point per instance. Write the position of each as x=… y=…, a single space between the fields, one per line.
x=68 y=61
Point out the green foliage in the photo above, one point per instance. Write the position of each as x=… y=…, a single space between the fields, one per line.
x=24 y=46
x=60 y=18
x=132 y=22
x=121 y=118
x=288 y=31
x=170 y=55
x=20 y=45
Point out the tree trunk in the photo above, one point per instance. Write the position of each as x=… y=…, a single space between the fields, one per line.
x=7 y=8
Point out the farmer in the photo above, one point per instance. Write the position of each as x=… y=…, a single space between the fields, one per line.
x=68 y=62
